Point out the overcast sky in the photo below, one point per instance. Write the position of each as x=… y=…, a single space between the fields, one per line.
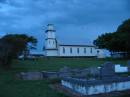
x=76 y=21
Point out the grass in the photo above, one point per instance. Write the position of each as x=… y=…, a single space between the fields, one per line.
x=54 y=64
x=10 y=87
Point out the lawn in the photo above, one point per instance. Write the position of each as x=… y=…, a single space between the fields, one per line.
x=53 y=64
x=10 y=87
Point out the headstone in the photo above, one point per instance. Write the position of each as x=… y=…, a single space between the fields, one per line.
x=121 y=69
x=65 y=69
x=31 y=75
x=107 y=70
x=94 y=71
x=50 y=74
x=65 y=72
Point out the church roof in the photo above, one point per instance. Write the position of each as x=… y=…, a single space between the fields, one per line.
x=80 y=45
x=76 y=43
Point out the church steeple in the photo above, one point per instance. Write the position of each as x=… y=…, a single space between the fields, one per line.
x=50 y=32
x=50 y=27
x=50 y=42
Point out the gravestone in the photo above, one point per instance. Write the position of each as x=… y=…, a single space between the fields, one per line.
x=31 y=75
x=64 y=72
x=107 y=71
x=50 y=75
x=94 y=71
x=65 y=69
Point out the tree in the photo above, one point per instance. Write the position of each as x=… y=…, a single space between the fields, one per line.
x=124 y=31
x=5 y=54
x=124 y=27
x=14 y=45
x=103 y=41
x=20 y=42
x=117 y=41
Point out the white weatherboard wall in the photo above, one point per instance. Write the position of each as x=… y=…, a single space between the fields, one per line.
x=120 y=69
x=51 y=53
x=73 y=51
x=97 y=89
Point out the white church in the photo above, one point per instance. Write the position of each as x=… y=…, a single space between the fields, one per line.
x=53 y=48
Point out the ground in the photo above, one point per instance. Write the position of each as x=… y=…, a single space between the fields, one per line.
x=12 y=87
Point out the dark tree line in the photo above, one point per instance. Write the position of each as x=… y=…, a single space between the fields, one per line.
x=13 y=45
x=118 y=41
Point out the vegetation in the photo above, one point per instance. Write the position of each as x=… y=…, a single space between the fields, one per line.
x=117 y=41
x=12 y=87
x=54 y=64
x=9 y=87
x=13 y=45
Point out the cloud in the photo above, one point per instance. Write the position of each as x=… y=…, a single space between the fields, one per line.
x=75 y=20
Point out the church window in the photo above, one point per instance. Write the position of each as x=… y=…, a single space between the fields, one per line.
x=53 y=42
x=63 y=50
x=85 y=50
x=77 y=50
x=91 y=50
x=49 y=41
x=70 y=50
x=98 y=51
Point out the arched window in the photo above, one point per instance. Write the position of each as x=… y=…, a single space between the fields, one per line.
x=63 y=50
x=85 y=50
x=98 y=51
x=70 y=50
x=91 y=50
x=53 y=42
x=49 y=41
x=78 y=50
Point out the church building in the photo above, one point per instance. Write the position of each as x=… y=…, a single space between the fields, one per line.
x=53 y=48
